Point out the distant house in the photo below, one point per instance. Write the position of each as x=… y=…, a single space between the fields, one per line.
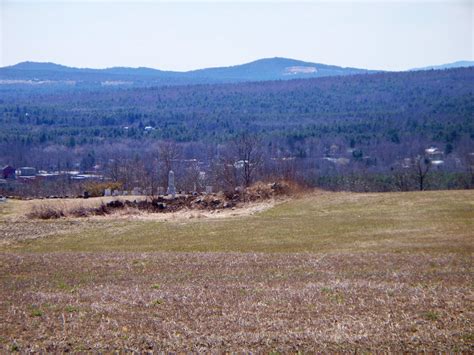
x=26 y=171
x=8 y=172
x=436 y=156
x=432 y=151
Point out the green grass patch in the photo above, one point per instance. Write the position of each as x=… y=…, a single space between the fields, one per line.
x=71 y=309
x=431 y=315
x=66 y=287
x=36 y=312
x=157 y=302
x=14 y=348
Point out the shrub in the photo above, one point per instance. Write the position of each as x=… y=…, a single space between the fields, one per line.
x=80 y=211
x=45 y=212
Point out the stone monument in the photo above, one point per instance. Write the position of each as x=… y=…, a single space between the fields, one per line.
x=171 y=188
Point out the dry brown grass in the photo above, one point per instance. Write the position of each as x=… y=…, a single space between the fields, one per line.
x=67 y=206
x=236 y=302
x=343 y=272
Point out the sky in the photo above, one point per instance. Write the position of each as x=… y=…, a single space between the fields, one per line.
x=177 y=35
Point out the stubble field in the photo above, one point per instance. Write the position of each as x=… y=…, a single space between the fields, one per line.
x=324 y=272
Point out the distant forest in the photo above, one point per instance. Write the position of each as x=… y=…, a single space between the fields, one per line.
x=364 y=126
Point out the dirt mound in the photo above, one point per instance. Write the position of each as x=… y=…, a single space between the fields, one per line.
x=209 y=202
x=263 y=191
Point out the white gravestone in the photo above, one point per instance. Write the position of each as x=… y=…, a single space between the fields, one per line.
x=171 y=188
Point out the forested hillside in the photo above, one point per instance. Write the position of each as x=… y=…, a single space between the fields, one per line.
x=366 y=123
x=436 y=105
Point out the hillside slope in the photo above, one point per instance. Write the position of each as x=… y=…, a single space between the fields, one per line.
x=423 y=102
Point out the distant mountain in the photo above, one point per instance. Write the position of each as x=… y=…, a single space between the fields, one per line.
x=35 y=66
x=274 y=69
x=459 y=64
x=259 y=70
x=51 y=72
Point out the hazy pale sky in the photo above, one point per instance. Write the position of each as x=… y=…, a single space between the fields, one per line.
x=391 y=35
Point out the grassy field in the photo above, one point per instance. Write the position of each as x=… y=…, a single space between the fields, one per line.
x=327 y=272
x=435 y=221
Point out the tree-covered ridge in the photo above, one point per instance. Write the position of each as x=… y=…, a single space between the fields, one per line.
x=437 y=105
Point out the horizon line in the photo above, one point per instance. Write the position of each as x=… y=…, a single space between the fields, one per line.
x=226 y=66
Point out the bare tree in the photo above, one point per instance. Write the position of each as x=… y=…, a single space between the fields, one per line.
x=223 y=169
x=114 y=169
x=422 y=165
x=249 y=155
x=151 y=182
x=168 y=153
x=228 y=175
x=469 y=159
